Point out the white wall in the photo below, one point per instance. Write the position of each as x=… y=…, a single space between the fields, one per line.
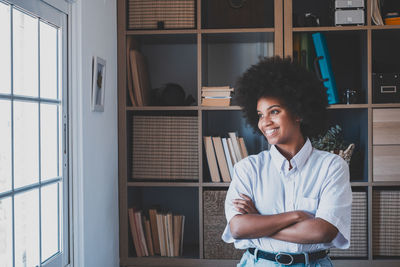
x=95 y=147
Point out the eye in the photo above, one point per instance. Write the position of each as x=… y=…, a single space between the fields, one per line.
x=260 y=115
x=274 y=112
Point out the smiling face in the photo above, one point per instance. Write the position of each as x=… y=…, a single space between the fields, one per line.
x=279 y=126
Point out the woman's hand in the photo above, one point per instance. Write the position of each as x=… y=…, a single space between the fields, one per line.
x=245 y=205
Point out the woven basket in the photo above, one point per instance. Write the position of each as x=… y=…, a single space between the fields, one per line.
x=359 y=234
x=214 y=225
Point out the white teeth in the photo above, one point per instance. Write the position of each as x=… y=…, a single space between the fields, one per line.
x=269 y=132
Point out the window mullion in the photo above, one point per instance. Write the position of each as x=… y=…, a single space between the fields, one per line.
x=12 y=132
x=40 y=149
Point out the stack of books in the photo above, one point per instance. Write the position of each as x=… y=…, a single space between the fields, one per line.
x=216 y=95
x=162 y=234
x=222 y=154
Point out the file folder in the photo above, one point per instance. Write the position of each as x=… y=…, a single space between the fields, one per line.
x=324 y=62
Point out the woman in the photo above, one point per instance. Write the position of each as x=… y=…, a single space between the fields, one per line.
x=288 y=205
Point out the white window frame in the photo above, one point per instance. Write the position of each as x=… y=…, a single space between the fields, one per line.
x=57 y=12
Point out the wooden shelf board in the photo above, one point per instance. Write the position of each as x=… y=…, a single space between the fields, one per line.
x=163 y=184
x=221 y=108
x=160 y=32
x=388 y=183
x=389 y=105
x=242 y=30
x=385 y=27
x=350 y=106
x=162 y=108
x=211 y=184
x=165 y=261
x=359 y=183
x=331 y=28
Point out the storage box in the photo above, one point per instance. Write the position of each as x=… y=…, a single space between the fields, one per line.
x=343 y=4
x=165 y=147
x=349 y=17
x=359 y=234
x=385 y=222
x=214 y=225
x=161 y=14
x=386 y=87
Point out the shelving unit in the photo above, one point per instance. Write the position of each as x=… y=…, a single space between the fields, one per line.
x=210 y=56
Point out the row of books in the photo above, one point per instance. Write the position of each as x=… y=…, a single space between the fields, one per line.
x=162 y=234
x=222 y=154
x=216 y=95
x=137 y=76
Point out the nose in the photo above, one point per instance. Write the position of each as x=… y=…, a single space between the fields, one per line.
x=265 y=121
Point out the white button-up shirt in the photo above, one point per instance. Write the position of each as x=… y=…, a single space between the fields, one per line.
x=317 y=183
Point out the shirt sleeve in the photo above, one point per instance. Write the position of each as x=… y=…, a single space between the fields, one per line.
x=335 y=201
x=241 y=183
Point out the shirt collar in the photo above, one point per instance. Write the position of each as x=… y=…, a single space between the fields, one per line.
x=297 y=161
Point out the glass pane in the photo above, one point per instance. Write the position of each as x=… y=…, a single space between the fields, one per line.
x=26 y=147
x=5 y=232
x=50 y=220
x=48 y=141
x=26 y=211
x=5 y=49
x=25 y=45
x=5 y=145
x=48 y=61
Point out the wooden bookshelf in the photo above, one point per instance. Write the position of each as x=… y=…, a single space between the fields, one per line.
x=198 y=57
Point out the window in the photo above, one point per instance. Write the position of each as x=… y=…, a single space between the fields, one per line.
x=33 y=127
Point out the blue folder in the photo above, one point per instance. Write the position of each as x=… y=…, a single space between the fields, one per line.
x=325 y=67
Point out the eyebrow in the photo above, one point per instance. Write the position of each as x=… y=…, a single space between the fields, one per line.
x=273 y=106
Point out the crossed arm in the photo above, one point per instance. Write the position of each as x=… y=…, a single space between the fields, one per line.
x=294 y=226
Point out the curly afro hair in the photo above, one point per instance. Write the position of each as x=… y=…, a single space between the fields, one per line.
x=298 y=89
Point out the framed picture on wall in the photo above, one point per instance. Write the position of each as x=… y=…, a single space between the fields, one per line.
x=98 y=83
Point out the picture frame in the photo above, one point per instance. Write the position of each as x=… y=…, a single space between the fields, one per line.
x=98 y=84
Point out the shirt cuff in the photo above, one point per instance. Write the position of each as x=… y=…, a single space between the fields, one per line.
x=342 y=239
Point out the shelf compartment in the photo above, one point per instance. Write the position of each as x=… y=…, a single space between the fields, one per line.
x=214 y=225
x=385 y=226
x=163 y=146
x=171 y=58
x=353 y=123
x=237 y=14
x=220 y=123
x=226 y=56
x=324 y=10
x=359 y=224
x=385 y=54
x=348 y=60
x=179 y=201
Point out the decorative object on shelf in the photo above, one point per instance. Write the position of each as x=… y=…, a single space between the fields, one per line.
x=214 y=225
x=349 y=96
x=386 y=87
x=333 y=142
x=161 y=14
x=323 y=67
x=376 y=12
x=392 y=18
x=171 y=94
x=98 y=83
x=359 y=233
